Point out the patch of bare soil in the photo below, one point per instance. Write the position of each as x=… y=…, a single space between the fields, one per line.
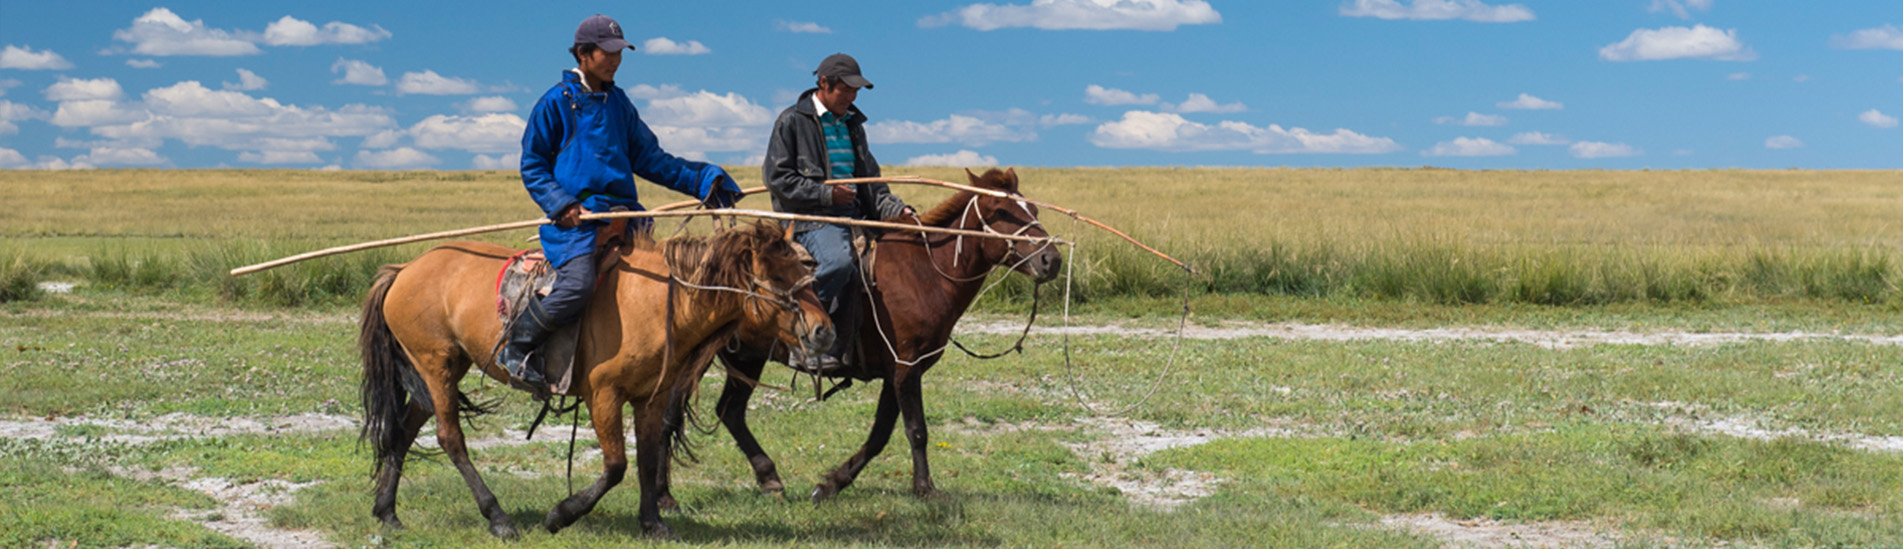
x=244 y=504
x=1483 y=532
x=1123 y=441
x=1330 y=332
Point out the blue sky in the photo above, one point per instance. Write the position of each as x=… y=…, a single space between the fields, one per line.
x=1549 y=84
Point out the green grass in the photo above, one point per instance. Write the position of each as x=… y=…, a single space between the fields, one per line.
x=45 y=505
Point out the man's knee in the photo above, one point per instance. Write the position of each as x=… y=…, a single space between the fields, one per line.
x=574 y=285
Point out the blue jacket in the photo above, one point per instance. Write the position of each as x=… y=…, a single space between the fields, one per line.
x=586 y=148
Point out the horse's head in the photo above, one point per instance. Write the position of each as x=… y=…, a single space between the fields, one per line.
x=1012 y=216
x=779 y=287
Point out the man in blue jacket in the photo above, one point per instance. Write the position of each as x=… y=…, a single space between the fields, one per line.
x=580 y=153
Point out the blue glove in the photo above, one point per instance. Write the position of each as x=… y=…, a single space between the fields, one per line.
x=724 y=192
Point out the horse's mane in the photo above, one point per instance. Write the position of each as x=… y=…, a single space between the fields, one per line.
x=717 y=259
x=948 y=211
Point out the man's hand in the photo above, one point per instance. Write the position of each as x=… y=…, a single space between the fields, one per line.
x=844 y=195
x=571 y=217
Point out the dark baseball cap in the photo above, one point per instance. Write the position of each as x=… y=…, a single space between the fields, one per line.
x=603 y=32
x=845 y=68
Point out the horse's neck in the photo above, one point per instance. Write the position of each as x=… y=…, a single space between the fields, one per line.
x=690 y=313
x=944 y=269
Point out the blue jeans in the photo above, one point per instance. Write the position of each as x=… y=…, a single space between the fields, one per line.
x=574 y=284
x=831 y=246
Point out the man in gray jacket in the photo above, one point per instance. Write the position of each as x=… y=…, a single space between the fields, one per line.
x=823 y=137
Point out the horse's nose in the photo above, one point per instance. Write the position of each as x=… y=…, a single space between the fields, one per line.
x=1047 y=265
x=820 y=340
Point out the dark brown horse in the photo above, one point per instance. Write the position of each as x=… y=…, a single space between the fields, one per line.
x=923 y=285
x=654 y=323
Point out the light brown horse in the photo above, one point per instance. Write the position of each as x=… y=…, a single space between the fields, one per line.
x=427 y=321
x=924 y=284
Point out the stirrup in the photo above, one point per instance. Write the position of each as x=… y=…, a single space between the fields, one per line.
x=537 y=390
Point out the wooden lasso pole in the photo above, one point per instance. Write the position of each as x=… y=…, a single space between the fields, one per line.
x=626 y=215
x=915 y=180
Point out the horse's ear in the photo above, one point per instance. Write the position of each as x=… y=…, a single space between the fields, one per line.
x=973 y=178
x=1012 y=174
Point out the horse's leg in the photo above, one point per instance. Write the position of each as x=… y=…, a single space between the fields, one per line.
x=604 y=409
x=912 y=406
x=385 y=508
x=732 y=409
x=449 y=435
x=651 y=457
x=882 y=420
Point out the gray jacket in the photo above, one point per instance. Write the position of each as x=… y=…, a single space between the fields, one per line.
x=796 y=164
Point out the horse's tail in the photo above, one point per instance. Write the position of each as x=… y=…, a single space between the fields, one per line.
x=390 y=383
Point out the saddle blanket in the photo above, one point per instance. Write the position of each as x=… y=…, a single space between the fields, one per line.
x=527 y=275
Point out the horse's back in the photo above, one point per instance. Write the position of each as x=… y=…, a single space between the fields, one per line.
x=446 y=297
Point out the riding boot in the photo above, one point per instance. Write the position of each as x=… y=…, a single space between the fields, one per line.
x=526 y=333
x=846 y=320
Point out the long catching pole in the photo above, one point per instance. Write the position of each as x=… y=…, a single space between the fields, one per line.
x=915 y=180
x=625 y=215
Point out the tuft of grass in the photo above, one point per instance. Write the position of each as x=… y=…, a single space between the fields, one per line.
x=20 y=276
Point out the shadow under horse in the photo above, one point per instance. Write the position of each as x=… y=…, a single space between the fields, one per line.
x=924 y=283
x=653 y=325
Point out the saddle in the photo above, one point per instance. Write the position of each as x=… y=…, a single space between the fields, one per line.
x=528 y=275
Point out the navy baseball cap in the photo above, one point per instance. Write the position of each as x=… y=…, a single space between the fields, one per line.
x=603 y=32
x=845 y=68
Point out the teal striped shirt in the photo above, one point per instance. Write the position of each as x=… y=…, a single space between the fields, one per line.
x=838 y=145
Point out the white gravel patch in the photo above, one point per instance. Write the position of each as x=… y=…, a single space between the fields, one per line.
x=1485 y=532
x=1567 y=339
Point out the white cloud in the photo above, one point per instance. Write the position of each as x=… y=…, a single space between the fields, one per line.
x=291 y=31
x=383 y=140
x=1172 y=133
x=663 y=46
x=1783 y=142
x=1474 y=119
x=484 y=133
x=131 y=156
x=499 y=162
x=961 y=158
x=16 y=162
x=395 y=159
x=160 y=33
x=1530 y=103
x=1681 y=8
x=1699 y=42
x=10 y=112
x=247 y=81
x=430 y=83
x=1596 y=149
x=1053 y=120
x=494 y=103
x=1801 y=78
x=1469 y=146
x=279 y=157
x=358 y=72
x=805 y=27
x=1149 y=15
x=1876 y=118
x=1887 y=37
x=231 y=120
x=1538 y=138
x=666 y=91
x=24 y=58
x=705 y=108
x=75 y=89
x=1437 y=10
x=1099 y=95
x=7 y=84
x=144 y=63
x=10 y=158
x=966 y=130
x=694 y=143
x=1738 y=76
x=1202 y=103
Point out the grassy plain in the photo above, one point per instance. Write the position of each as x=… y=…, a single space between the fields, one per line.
x=1438 y=236
x=1320 y=439
x=1471 y=430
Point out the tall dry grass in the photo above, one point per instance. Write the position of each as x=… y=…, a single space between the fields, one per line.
x=1557 y=238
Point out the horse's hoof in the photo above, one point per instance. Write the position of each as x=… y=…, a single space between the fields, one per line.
x=823 y=491
x=502 y=531
x=391 y=523
x=667 y=503
x=926 y=491
x=659 y=531
x=773 y=488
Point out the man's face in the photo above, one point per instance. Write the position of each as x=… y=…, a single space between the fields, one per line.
x=600 y=65
x=837 y=96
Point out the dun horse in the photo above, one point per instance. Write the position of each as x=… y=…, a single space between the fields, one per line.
x=923 y=285
x=645 y=340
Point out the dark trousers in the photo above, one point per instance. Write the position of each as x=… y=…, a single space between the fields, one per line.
x=574 y=284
